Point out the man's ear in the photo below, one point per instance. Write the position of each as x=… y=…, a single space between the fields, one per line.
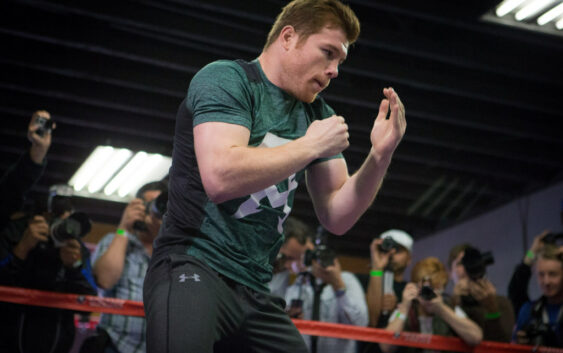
x=287 y=36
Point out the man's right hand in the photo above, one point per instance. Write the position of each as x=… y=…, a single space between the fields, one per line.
x=135 y=211
x=36 y=231
x=39 y=144
x=328 y=136
x=379 y=260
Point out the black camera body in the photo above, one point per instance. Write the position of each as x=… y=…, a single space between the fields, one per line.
x=475 y=262
x=539 y=333
x=156 y=207
x=45 y=125
x=427 y=293
x=322 y=254
x=75 y=226
x=387 y=245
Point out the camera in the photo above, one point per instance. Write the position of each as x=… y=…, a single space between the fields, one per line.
x=75 y=226
x=552 y=238
x=427 y=293
x=156 y=207
x=539 y=334
x=476 y=262
x=387 y=245
x=45 y=125
x=321 y=253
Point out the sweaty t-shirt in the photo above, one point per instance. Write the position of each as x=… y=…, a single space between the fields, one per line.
x=239 y=238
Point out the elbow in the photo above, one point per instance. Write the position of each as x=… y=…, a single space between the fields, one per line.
x=216 y=189
x=474 y=338
x=336 y=228
x=332 y=225
x=104 y=283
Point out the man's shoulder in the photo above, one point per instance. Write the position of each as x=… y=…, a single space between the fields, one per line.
x=222 y=68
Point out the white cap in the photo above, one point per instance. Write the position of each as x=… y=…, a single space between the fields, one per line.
x=400 y=237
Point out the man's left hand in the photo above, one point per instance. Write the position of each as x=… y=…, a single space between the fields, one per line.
x=387 y=133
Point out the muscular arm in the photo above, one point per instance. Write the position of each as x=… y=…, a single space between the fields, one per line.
x=340 y=199
x=229 y=168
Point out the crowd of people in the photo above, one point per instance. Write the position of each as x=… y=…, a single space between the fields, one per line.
x=226 y=268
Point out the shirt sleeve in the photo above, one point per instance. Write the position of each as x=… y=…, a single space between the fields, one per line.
x=220 y=92
x=102 y=247
x=352 y=307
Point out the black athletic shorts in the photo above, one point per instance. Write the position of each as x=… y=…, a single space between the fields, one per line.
x=191 y=308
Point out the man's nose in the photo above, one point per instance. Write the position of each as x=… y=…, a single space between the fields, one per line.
x=332 y=70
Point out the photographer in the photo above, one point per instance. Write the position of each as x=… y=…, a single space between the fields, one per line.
x=120 y=263
x=328 y=294
x=390 y=253
x=21 y=176
x=477 y=296
x=43 y=251
x=540 y=322
x=423 y=309
x=518 y=286
x=290 y=259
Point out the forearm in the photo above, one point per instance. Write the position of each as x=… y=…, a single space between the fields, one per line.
x=466 y=329
x=374 y=299
x=243 y=170
x=347 y=204
x=109 y=267
x=396 y=325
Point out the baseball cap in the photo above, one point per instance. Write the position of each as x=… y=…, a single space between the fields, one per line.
x=400 y=237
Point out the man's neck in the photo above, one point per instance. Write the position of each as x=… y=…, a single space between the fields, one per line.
x=271 y=66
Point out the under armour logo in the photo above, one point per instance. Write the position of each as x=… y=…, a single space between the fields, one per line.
x=184 y=277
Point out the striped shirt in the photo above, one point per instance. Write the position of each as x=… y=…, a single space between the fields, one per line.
x=126 y=332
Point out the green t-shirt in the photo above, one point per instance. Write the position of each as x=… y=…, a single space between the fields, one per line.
x=240 y=238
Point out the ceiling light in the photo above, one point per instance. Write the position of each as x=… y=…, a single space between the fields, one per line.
x=531 y=9
x=118 y=172
x=559 y=24
x=550 y=15
x=90 y=166
x=507 y=6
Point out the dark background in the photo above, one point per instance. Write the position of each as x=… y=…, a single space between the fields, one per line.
x=483 y=102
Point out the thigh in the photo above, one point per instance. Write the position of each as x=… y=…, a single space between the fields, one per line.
x=268 y=328
x=188 y=307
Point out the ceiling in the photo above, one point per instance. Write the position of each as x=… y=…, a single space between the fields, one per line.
x=484 y=102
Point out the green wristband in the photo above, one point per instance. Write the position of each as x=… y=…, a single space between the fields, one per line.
x=530 y=255
x=121 y=232
x=492 y=316
x=376 y=273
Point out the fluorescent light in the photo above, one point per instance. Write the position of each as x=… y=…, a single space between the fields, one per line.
x=116 y=161
x=550 y=15
x=559 y=24
x=531 y=9
x=507 y=6
x=90 y=167
x=126 y=173
x=119 y=172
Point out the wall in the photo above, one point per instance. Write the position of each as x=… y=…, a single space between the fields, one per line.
x=500 y=231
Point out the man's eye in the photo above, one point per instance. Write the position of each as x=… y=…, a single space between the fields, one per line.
x=328 y=53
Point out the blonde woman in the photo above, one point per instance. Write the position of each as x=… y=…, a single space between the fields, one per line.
x=424 y=310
